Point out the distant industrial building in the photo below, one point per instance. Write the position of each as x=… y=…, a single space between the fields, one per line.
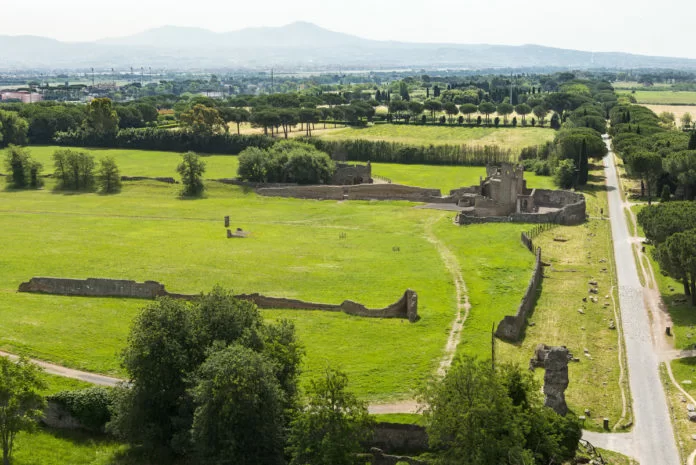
x=23 y=96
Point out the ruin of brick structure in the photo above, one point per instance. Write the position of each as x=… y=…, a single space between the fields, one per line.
x=349 y=175
x=503 y=196
x=554 y=360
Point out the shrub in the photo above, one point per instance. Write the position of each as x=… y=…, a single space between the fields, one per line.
x=191 y=170
x=74 y=170
x=287 y=161
x=565 y=174
x=89 y=406
x=108 y=176
x=23 y=171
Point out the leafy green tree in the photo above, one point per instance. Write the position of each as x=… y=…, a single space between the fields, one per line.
x=309 y=116
x=433 y=106
x=397 y=108
x=505 y=109
x=666 y=195
x=239 y=116
x=451 y=110
x=102 y=119
x=692 y=141
x=24 y=172
x=648 y=167
x=266 y=118
x=415 y=109
x=239 y=409
x=331 y=428
x=74 y=170
x=201 y=119
x=523 y=110
x=564 y=174
x=191 y=170
x=288 y=118
x=108 y=176
x=540 y=112
x=661 y=221
x=487 y=108
x=468 y=109
x=403 y=91
x=13 y=129
x=677 y=257
x=555 y=121
x=682 y=167
x=21 y=404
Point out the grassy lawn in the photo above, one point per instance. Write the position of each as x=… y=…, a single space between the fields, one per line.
x=513 y=138
x=53 y=447
x=149 y=163
x=665 y=97
x=678 y=110
x=446 y=178
x=587 y=250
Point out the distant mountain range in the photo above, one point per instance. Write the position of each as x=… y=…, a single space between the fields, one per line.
x=298 y=45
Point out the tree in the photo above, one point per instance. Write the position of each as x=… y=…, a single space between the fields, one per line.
x=555 y=121
x=523 y=110
x=416 y=109
x=239 y=413
x=21 y=404
x=403 y=91
x=102 y=119
x=661 y=221
x=483 y=415
x=451 y=110
x=108 y=176
x=540 y=112
x=191 y=170
x=505 y=109
x=174 y=371
x=308 y=117
x=677 y=257
x=13 y=129
x=287 y=118
x=647 y=166
x=468 y=109
x=237 y=116
x=432 y=106
x=24 y=172
x=487 y=108
x=74 y=170
x=265 y=118
x=692 y=141
x=397 y=107
x=686 y=120
x=564 y=175
x=330 y=429
x=201 y=119
x=682 y=167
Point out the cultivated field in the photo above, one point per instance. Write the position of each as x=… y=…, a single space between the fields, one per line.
x=665 y=97
x=678 y=110
x=512 y=138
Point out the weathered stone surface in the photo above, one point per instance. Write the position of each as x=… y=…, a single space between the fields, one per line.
x=692 y=416
x=555 y=361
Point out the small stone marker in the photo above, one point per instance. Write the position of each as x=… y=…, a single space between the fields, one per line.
x=668 y=330
x=692 y=416
x=229 y=234
x=581 y=311
x=686 y=381
x=691 y=407
x=587 y=412
x=606 y=423
x=582 y=418
x=227 y=221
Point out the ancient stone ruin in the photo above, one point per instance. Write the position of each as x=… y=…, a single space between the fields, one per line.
x=555 y=361
x=406 y=307
x=503 y=196
x=348 y=175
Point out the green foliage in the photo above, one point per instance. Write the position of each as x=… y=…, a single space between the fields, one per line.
x=677 y=258
x=239 y=409
x=331 y=428
x=91 y=406
x=647 y=166
x=487 y=416
x=108 y=176
x=203 y=120
x=184 y=360
x=21 y=404
x=13 y=129
x=661 y=221
x=74 y=170
x=191 y=170
x=102 y=119
x=287 y=161
x=564 y=174
x=666 y=194
x=24 y=172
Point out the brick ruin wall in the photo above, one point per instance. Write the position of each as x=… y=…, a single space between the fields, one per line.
x=406 y=307
x=512 y=326
x=356 y=192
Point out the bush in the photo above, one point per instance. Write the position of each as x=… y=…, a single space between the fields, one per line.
x=287 y=161
x=108 y=176
x=89 y=406
x=23 y=171
x=191 y=170
x=74 y=170
x=564 y=175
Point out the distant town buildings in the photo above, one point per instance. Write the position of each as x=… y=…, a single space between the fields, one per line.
x=23 y=96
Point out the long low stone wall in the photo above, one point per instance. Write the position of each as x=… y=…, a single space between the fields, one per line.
x=94 y=287
x=356 y=192
x=512 y=326
x=168 y=180
x=406 y=307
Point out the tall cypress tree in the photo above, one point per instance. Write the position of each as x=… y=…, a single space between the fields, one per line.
x=692 y=141
x=583 y=165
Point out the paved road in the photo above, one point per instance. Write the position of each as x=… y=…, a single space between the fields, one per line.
x=653 y=436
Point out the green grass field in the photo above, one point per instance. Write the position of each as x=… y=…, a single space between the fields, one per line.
x=512 y=138
x=666 y=97
x=446 y=178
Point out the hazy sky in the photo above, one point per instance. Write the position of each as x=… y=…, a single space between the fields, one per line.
x=636 y=26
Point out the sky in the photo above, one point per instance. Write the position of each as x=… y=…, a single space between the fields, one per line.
x=635 y=26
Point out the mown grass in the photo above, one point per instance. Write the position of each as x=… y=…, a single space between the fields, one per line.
x=402 y=418
x=52 y=447
x=666 y=97
x=512 y=138
x=582 y=257
x=446 y=178
x=150 y=163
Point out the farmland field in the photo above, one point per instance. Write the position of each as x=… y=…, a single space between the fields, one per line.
x=678 y=110
x=665 y=97
x=512 y=138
